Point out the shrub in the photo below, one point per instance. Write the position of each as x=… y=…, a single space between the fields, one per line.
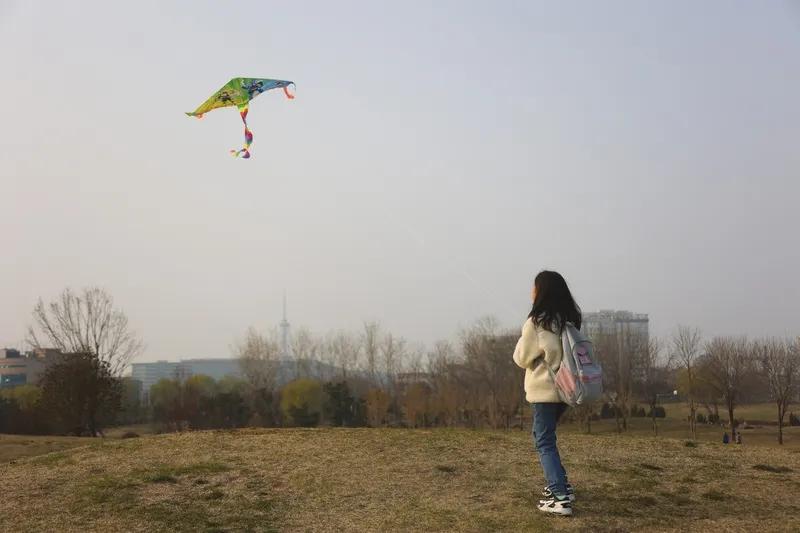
x=609 y=411
x=377 y=406
x=302 y=401
x=341 y=408
x=302 y=416
x=794 y=420
x=636 y=411
x=701 y=418
x=129 y=435
x=713 y=418
x=660 y=412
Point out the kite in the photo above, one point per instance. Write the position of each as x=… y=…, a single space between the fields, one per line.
x=238 y=92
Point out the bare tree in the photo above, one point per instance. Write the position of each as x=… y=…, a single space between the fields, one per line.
x=304 y=350
x=633 y=347
x=495 y=376
x=780 y=362
x=416 y=404
x=86 y=323
x=621 y=353
x=447 y=393
x=606 y=349
x=258 y=358
x=344 y=350
x=653 y=381
x=414 y=363
x=440 y=358
x=706 y=393
x=392 y=351
x=583 y=415
x=327 y=359
x=370 y=342
x=378 y=404
x=686 y=343
x=727 y=363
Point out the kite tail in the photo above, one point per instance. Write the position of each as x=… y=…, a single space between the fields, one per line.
x=244 y=153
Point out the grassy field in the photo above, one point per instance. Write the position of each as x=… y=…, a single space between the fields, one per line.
x=675 y=426
x=395 y=480
x=16 y=446
x=758 y=412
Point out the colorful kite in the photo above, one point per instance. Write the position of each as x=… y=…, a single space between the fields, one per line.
x=238 y=92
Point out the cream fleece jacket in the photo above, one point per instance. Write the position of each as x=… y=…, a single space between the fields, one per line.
x=536 y=348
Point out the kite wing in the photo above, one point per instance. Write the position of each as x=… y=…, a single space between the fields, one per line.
x=238 y=92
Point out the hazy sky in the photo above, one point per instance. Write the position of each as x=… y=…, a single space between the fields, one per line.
x=438 y=154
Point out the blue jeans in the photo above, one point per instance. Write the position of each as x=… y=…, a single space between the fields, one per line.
x=545 y=418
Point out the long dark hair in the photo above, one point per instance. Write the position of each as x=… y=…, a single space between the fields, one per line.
x=554 y=305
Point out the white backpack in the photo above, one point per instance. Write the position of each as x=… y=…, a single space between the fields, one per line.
x=579 y=379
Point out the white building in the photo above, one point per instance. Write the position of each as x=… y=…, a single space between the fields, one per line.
x=623 y=323
x=150 y=373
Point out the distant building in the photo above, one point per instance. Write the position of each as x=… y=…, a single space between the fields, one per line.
x=17 y=368
x=630 y=332
x=406 y=379
x=622 y=323
x=150 y=373
x=215 y=368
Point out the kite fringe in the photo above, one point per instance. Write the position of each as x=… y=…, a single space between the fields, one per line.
x=289 y=95
x=244 y=153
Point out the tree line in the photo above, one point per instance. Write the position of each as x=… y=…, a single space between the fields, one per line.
x=374 y=377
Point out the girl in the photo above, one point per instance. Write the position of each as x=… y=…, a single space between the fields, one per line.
x=539 y=347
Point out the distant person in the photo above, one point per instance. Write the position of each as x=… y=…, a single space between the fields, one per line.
x=725 y=438
x=739 y=437
x=537 y=348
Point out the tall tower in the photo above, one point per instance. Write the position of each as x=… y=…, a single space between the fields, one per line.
x=284 y=332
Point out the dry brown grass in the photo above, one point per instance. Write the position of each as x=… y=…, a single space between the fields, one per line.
x=675 y=428
x=395 y=480
x=16 y=446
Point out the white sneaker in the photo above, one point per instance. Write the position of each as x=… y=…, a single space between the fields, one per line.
x=559 y=505
x=547 y=493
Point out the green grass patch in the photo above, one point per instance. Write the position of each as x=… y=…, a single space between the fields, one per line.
x=171 y=473
x=52 y=459
x=187 y=517
x=110 y=490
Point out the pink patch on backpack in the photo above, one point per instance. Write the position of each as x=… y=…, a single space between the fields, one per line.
x=565 y=380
